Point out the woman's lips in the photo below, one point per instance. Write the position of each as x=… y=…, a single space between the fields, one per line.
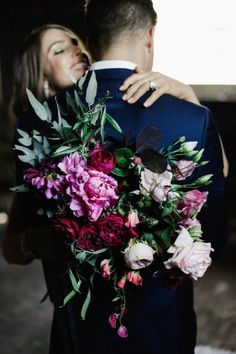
x=79 y=66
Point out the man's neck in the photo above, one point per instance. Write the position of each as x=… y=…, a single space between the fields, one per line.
x=113 y=64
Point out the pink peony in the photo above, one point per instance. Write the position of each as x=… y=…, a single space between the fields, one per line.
x=192 y=202
x=91 y=191
x=72 y=164
x=102 y=160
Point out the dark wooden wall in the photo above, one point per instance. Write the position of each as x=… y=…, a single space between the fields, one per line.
x=21 y=17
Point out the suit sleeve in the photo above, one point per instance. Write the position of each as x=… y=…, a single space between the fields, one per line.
x=213 y=215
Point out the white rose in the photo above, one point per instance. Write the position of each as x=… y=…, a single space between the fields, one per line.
x=139 y=255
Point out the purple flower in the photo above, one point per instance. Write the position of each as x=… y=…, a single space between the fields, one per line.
x=45 y=179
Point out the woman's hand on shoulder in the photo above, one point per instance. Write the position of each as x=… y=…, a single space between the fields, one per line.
x=136 y=85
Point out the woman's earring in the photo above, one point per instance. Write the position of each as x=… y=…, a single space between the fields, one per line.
x=46 y=89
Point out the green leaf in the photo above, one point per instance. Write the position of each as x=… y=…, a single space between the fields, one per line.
x=58 y=112
x=40 y=211
x=119 y=172
x=79 y=103
x=113 y=123
x=46 y=106
x=75 y=284
x=123 y=156
x=86 y=304
x=64 y=150
x=39 y=109
x=154 y=161
x=81 y=256
x=68 y=297
x=82 y=80
x=91 y=91
x=148 y=237
x=25 y=150
x=165 y=236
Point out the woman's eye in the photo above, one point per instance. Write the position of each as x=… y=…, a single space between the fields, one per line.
x=58 y=51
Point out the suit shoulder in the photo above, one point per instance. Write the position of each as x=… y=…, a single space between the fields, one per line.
x=185 y=106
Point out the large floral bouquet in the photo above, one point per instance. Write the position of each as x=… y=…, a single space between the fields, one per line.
x=121 y=207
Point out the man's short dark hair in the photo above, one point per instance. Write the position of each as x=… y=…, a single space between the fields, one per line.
x=106 y=19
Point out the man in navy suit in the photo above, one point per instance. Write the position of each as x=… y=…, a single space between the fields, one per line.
x=120 y=36
x=160 y=320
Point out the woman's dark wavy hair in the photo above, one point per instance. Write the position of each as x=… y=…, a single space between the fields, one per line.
x=106 y=19
x=28 y=68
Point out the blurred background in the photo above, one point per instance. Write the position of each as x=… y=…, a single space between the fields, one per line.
x=25 y=321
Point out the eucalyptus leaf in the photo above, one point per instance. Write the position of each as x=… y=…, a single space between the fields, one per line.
x=26 y=141
x=38 y=107
x=64 y=150
x=26 y=151
x=75 y=284
x=23 y=133
x=91 y=91
x=113 y=123
x=82 y=80
x=79 y=102
x=27 y=159
x=68 y=297
x=86 y=304
x=58 y=112
x=20 y=188
x=46 y=106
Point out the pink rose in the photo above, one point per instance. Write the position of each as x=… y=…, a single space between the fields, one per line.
x=112 y=320
x=112 y=230
x=135 y=278
x=122 y=331
x=121 y=282
x=102 y=160
x=158 y=185
x=105 y=269
x=89 y=239
x=192 y=202
x=132 y=219
x=183 y=169
x=67 y=226
x=193 y=259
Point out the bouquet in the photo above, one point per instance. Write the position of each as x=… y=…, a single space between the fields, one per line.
x=121 y=206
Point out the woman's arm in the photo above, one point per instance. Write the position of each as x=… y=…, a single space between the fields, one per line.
x=22 y=243
x=137 y=85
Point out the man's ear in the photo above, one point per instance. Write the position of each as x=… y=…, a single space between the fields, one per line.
x=150 y=39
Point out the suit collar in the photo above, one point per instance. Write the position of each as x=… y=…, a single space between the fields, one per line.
x=113 y=64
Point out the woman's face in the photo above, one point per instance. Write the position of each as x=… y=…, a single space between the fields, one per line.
x=62 y=59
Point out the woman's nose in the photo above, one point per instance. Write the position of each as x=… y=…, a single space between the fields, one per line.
x=76 y=51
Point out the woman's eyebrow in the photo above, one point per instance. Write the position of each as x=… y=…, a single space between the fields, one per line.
x=56 y=42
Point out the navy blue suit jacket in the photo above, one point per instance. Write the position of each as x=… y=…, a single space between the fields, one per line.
x=160 y=320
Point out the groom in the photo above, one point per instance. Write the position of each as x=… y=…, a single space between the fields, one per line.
x=121 y=36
